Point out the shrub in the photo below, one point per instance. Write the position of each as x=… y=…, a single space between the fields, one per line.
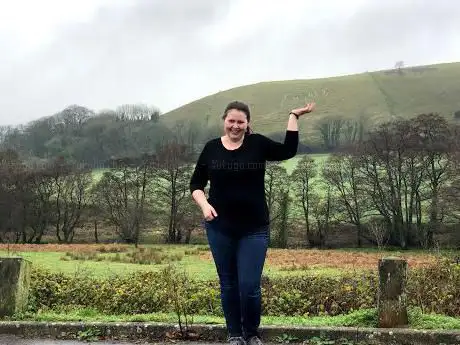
x=151 y=256
x=435 y=289
x=113 y=248
x=141 y=256
x=319 y=295
x=140 y=292
x=83 y=256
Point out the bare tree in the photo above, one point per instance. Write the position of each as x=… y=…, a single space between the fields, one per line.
x=323 y=212
x=137 y=112
x=399 y=65
x=303 y=184
x=330 y=130
x=123 y=194
x=41 y=206
x=173 y=170
x=71 y=196
x=12 y=197
x=276 y=177
x=72 y=118
x=189 y=218
x=352 y=132
x=405 y=163
x=435 y=140
x=336 y=132
x=3 y=133
x=341 y=171
x=25 y=205
x=382 y=160
x=283 y=222
x=450 y=192
x=277 y=198
x=379 y=231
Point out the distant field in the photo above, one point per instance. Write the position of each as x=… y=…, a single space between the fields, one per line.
x=197 y=259
x=289 y=164
x=292 y=163
x=373 y=96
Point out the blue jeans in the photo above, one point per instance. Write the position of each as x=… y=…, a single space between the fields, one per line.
x=239 y=260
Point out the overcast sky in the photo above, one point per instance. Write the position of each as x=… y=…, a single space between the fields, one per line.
x=102 y=53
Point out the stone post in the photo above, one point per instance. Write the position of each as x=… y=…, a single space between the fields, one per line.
x=392 y=307
x=14 y=285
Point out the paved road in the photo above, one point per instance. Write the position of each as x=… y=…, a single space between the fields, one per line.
x=12 y=340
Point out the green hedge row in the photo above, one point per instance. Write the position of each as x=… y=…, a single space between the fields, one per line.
x=435 y=289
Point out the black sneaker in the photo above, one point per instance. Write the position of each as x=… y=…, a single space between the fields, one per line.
x=236 y=341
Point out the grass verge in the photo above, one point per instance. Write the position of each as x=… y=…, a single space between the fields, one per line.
x=359 y=318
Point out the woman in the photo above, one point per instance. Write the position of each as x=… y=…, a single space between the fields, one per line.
x=236 y=213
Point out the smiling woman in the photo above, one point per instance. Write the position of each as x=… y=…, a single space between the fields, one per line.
x=236 y=214
x=236 y=123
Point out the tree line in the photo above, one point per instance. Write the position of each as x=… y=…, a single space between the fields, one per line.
x=80 y=134
x=396 y=185
x=131 y=194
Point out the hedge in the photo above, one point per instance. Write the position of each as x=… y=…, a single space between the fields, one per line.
x=435 y=289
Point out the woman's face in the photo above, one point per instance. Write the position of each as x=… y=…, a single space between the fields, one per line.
x=235 y=124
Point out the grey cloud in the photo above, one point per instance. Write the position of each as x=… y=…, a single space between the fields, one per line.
x=374 y=37
x=119 y=57
x=413 y=31
x=398 y=24
x=156 y=51
x=378 y=35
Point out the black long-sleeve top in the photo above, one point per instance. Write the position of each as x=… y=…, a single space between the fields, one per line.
x=237 y=177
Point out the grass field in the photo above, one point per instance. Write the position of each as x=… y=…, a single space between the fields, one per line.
x=373 y=96
x=289 y=164
x=197 y=261
x=116 y=259
x=360 y=318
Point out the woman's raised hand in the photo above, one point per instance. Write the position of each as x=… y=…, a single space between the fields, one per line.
x=308 y=108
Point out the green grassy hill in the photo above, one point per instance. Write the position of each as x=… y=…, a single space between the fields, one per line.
x=373 y=96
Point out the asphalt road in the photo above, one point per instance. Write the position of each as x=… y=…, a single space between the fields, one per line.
x=12 y=340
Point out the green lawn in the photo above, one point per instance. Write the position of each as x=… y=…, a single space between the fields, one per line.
x=52 y=261
x=360 y=318
x=200 y=268
x=57 y=261
x=290 y=164
x=196 y=267
x=197 y=261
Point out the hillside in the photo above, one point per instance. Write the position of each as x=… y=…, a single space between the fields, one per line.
x=129 y=130
x=372 y=96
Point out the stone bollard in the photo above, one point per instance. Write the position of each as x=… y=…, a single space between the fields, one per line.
x=14 y=285
x=392 y=307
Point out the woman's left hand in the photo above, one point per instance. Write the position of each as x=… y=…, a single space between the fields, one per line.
x=308 y=108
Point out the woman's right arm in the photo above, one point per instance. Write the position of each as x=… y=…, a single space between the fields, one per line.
x=199 y=178
x=200 y=198
x=198 y=182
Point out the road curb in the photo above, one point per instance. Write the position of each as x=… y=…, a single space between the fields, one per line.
x=148 y=331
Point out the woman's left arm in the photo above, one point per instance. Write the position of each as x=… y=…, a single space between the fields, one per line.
x=276 y=151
